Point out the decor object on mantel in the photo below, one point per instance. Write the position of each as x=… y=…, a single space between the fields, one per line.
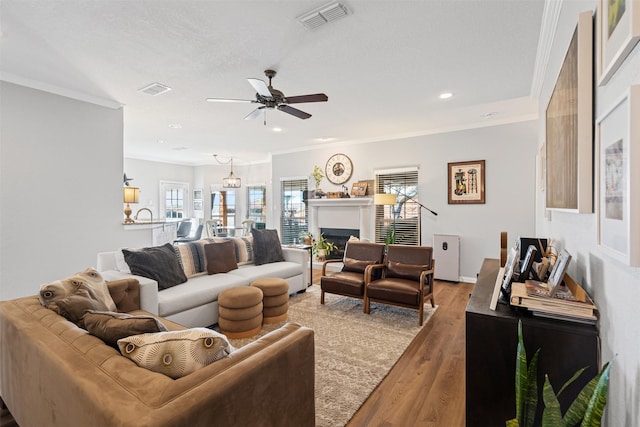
x=317 y=176
x=130 y=195
x=231 y=181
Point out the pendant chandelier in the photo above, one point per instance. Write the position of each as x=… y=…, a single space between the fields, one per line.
x=230 y=181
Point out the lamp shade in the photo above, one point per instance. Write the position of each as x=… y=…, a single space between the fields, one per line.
x=131 y=194
x=231 y=181
x=384 y=199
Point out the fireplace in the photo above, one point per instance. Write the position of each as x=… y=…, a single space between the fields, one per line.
x=339 y=237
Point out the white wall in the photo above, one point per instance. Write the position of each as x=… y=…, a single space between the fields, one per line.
x=61 y=186
x=614 y=287
x=509 y=152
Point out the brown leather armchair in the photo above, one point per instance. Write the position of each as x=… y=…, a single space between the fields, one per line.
x=360 y=259
x=407 y=279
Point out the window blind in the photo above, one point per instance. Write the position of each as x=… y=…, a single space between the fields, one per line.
x=399 y=223
x=294 y=212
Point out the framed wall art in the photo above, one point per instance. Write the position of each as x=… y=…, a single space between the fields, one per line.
x=619 y=179
x=466 y=182
x=617 y=31
x=569 y=123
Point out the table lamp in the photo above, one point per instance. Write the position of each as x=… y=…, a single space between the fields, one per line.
x=130 y=195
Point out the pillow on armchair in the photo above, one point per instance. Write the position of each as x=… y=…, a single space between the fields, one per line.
x=266 y=246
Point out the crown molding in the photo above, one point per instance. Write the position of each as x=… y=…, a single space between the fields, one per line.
x=550 y=17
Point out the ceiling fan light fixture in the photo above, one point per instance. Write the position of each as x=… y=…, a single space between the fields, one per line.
x=323 y=15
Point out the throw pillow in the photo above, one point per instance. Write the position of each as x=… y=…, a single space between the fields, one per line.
x=221 y=257
x=70 y=299
x=266 y=246
x=176 y=353
x=192 y=258
x=244 y=249
x=405 y=271
x=356 y=265
x=159 y=263
x=121 y=264
x=92 y=278
x=110 y=326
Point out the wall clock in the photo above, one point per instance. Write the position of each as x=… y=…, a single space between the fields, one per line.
x=339 y=169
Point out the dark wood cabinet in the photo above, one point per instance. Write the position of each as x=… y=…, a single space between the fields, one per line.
x=491 y=341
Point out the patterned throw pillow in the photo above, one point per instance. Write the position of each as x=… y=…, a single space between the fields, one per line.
x=192 y=258
x=266 y=246
x=159 y=263
x=244 y=249
x=176 y=353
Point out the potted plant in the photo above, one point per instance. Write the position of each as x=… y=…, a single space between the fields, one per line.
x=586 y=409
x=317 y=176
x=322 y=247
x=306 y=237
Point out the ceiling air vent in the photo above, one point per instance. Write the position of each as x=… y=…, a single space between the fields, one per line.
x=155 y=89
x=323 y=15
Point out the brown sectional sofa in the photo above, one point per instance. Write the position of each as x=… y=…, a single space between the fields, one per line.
x=53 y=373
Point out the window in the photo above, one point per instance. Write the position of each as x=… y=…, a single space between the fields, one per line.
x=223 y=207
x=256 y=203
x=175 y=196
x=403 y=218
x=294 y=212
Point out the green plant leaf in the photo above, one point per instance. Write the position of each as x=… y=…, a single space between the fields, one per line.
x=551 y=416
x=578 y=407
x=572 y=379
x=512 y=423
x=522 y=383
x=531 y=398
x=593 y=416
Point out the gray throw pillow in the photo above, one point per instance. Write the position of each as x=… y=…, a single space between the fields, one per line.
x=159 y=263
x=266 y=246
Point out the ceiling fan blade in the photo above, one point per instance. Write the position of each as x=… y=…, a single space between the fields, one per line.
x=229 y=100
x=316 y=97
x=255 y=113
x=294 y=112
x=261 y=87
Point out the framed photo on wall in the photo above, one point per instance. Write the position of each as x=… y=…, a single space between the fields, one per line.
x=569 y=124
x=466 y=182
x=617 y=134
x=617 y=31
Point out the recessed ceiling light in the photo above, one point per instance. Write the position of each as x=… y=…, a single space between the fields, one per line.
x=276 y=129
x=175 y=126
x=325 y=139
x=489 y=115
x=161 y=141
x=445 y=95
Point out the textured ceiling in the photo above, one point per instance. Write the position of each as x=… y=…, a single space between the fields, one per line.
x=382 y=68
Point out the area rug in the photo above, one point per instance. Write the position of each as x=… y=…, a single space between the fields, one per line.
x=354 y=351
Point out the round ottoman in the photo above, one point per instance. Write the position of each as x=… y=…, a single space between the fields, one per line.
x=275 y=299
x=240 y=311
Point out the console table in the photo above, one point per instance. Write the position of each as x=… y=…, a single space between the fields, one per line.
x=491 y=341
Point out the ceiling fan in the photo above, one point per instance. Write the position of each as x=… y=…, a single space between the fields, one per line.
x=271 y=98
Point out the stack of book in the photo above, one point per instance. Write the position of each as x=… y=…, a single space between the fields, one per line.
x=568 y=302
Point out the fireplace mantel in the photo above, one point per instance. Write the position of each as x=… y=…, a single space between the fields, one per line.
x=342 y=213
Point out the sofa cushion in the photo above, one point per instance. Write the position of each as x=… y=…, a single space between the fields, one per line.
x=192 y=258
x=266 y=246
x=176 y=353
x=244 y=249
x=159 y=263
x=110 y=326
x=221 y=257
x=283 y=270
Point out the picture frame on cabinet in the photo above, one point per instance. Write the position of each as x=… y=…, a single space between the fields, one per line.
x=466 y=182
x=618 y=181
x=617 y=32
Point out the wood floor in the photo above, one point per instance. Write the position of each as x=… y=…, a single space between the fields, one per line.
x=426 y=387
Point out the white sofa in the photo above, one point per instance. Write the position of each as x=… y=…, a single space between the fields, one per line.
x=195 y=302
